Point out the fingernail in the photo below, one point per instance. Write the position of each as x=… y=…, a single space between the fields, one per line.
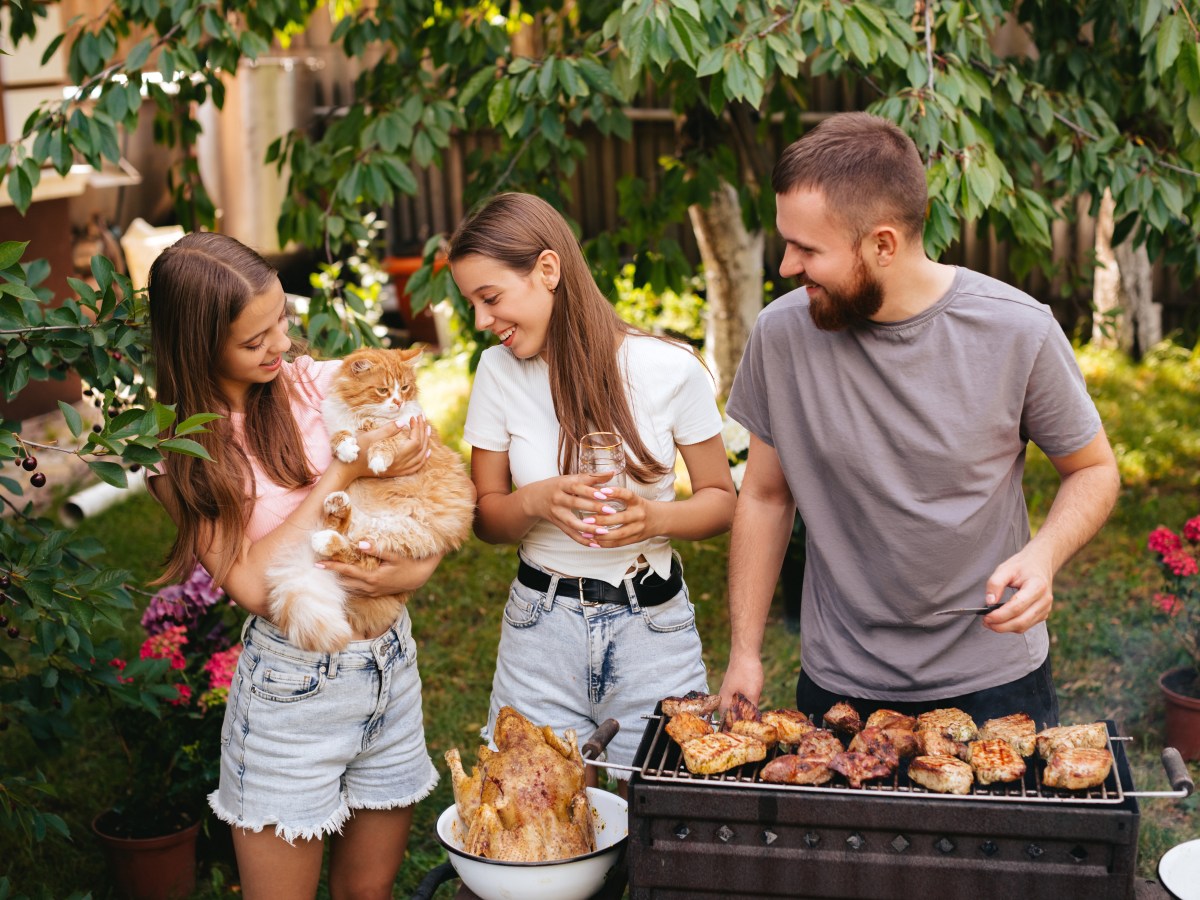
x=599 y=496
x=597 y=546
x=601 y=530
x=989 y=599
x=428 y=453
x=586 y=534
x=428 y=429
x=364 y=545
x=318 y=565
x=607 y=509
x=607 y=490
x=590 y=520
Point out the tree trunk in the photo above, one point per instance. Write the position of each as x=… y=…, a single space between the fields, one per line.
x=733 y=274
x=1125 y=315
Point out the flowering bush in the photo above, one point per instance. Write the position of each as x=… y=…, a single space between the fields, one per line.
x=187 y=659
x=1178 y=557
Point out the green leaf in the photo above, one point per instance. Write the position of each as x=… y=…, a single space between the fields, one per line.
x=74 y=422
x=196 y=423
x=186 y=447
x=11 y=252
x=138 y=55
x=1150 y=13
x=498 y=101
x=1170 y=38
x=476 y=84
x=102 y=271
x=109 y=472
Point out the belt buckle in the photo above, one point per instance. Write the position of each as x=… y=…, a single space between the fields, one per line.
x=582 y=601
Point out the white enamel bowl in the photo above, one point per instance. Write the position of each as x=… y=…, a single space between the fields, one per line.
x=576 y=878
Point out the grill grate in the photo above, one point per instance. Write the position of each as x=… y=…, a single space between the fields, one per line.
x=663 y=762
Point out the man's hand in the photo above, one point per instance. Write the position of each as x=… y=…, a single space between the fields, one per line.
x=744 y=676
x=1031 y=573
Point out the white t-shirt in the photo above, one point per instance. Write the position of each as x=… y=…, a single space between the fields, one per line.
x=671 y=397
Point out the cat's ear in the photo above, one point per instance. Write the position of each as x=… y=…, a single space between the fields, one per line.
x=413 y=354
x=360 y=365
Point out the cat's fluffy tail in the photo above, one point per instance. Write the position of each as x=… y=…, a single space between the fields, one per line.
x=307 y=603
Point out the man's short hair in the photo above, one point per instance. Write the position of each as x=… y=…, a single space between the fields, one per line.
x=867 y=168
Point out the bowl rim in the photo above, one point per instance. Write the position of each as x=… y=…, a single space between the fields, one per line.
x=457 y=851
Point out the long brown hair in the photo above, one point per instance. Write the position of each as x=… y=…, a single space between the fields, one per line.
x=197 y=288
x=514 y=230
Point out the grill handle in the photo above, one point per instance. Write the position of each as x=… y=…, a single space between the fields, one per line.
x=594 y=746
x=1177 y=772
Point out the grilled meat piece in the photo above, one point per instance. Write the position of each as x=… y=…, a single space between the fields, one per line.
x=1018 y=729
x=995 y=761
x=844 y=719
x=793 y=769
x=720 y=752
x=740 y=708
x=790 y=724
x=942 y=774
x=904 y=739
x=682 y=727
x=694 y=702
x=934 y=743
x=1077 y=768
x=952 y=722
x=859 y=767
x=889 y=718
x=819 y=742
x=876 y=742
x=759 y=730
x=1050 y=741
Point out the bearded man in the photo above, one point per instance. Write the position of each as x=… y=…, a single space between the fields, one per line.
x=890 y=399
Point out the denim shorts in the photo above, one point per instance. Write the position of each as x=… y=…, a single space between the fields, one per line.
x=309 y=737
x=569 y=664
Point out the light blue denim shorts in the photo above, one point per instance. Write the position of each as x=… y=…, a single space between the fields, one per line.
x=569 y=664
x=309 y=737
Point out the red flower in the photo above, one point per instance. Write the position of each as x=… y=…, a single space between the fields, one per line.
x=167 y=644
x=185 y=695
x=119 y=665
x=1191 y=530
x=1164 y=540
x=1168 y=603
x=1180 y=563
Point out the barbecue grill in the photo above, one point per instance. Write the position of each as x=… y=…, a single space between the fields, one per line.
x=733 y=835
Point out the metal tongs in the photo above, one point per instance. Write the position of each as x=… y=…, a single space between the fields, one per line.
x=972 y=610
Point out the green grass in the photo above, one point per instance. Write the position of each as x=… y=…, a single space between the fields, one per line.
x=1108 y=646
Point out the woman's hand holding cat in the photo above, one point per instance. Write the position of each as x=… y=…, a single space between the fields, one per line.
x=410 y=446
x=393 y=575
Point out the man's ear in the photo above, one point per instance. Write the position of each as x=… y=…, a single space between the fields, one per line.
x=548 y=269
x=883 y=244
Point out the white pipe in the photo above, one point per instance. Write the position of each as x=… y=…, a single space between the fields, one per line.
x=99 y=497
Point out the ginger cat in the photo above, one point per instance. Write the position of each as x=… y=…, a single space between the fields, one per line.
x=416 y=515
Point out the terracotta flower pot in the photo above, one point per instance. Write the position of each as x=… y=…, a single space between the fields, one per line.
x=1181 y=689
x=157 y=868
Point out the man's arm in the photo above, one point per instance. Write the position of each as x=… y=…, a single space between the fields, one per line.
x=1090 y=482
x=762 y=526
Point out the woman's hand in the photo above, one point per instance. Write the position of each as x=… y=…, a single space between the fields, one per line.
x=638 y=521
x=558 y=500
x=393 y=575
x=410 y=449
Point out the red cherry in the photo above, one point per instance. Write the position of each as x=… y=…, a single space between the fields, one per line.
x=117 y=355
x=38 y=480
x=14 y=631
x=29 y=463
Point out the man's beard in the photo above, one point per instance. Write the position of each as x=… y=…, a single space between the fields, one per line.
x=853 y=308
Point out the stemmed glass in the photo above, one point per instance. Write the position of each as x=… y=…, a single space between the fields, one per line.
x=602 y=452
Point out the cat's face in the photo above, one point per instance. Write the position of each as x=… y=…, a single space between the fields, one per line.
x=378 y=382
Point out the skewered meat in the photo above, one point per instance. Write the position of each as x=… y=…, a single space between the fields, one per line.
x=1052 y=740
x=889 y=718
x=790 y=724
x=934 y=743
x=952 y=722
x=524 y=801
x=694 y=702
x=995 y=761
x=844 y=719
x=819 y=742
x=942 y=774
x=859 y=767
x=740 y=708
x=1077 y=768
x=1018 y=729
x=876 y=742
x=720 y=752
x=793 y=769
x=758 y=730
x=682 y=727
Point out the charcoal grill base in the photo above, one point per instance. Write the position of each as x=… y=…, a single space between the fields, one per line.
x=691 y=839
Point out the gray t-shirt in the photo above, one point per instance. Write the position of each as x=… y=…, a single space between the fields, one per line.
x=903 y=445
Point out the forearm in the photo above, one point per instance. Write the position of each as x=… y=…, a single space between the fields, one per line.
x=762 y=527
x=707 y=512
x=502 y=518
x=1083 y=503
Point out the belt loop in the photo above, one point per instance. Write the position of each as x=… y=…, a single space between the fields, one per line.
x=331 y=665
x=551 y=591
x=631 y=591
x=247 y=625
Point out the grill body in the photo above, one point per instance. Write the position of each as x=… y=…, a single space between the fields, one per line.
x=697 y=838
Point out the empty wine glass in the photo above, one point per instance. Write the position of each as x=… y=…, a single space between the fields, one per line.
x=603 y=452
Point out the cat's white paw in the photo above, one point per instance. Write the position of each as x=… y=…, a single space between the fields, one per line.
x=347 y=450
x=336 y=503
x=378 y=464
x=327 y=542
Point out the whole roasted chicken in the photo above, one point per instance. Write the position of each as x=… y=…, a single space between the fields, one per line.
x=524 y=801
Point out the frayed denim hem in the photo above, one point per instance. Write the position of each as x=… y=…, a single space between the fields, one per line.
x=416 y=797
x=318 y=832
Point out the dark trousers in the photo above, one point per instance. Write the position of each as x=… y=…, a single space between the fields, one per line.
x=1034 y=694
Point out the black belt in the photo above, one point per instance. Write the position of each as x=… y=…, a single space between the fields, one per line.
x=651 y=590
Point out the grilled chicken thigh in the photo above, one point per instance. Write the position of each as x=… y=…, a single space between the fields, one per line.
x=740 y=708
x=889 y=718
x=942 y=774
x=793 y=769
x=720 y=752
x=995 y=761
x=844 y=719
x=934 y=743
x=953 y=723
x=759 y=730
x=859 y=767
x=1077 y=768
x=1018 y=729
x=1062 y=737
x=819 y=743
x=682 y=727
x=876 y=742
x=790 y=724
x=693 y=702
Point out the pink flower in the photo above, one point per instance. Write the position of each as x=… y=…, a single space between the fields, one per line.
x=221 y=666
x=1168 y=603
x=1191 y=530
x=119 y=665
x=167 y=644
x=1164 y=540
x=1180 y=563
x=185 y=695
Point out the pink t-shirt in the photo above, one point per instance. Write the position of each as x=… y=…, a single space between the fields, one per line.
x=273 y=503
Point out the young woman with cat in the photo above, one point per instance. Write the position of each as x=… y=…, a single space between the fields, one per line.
x=598 y=622
x=313 y=743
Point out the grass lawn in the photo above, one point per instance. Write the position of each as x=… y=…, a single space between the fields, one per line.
x=1108 y=647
